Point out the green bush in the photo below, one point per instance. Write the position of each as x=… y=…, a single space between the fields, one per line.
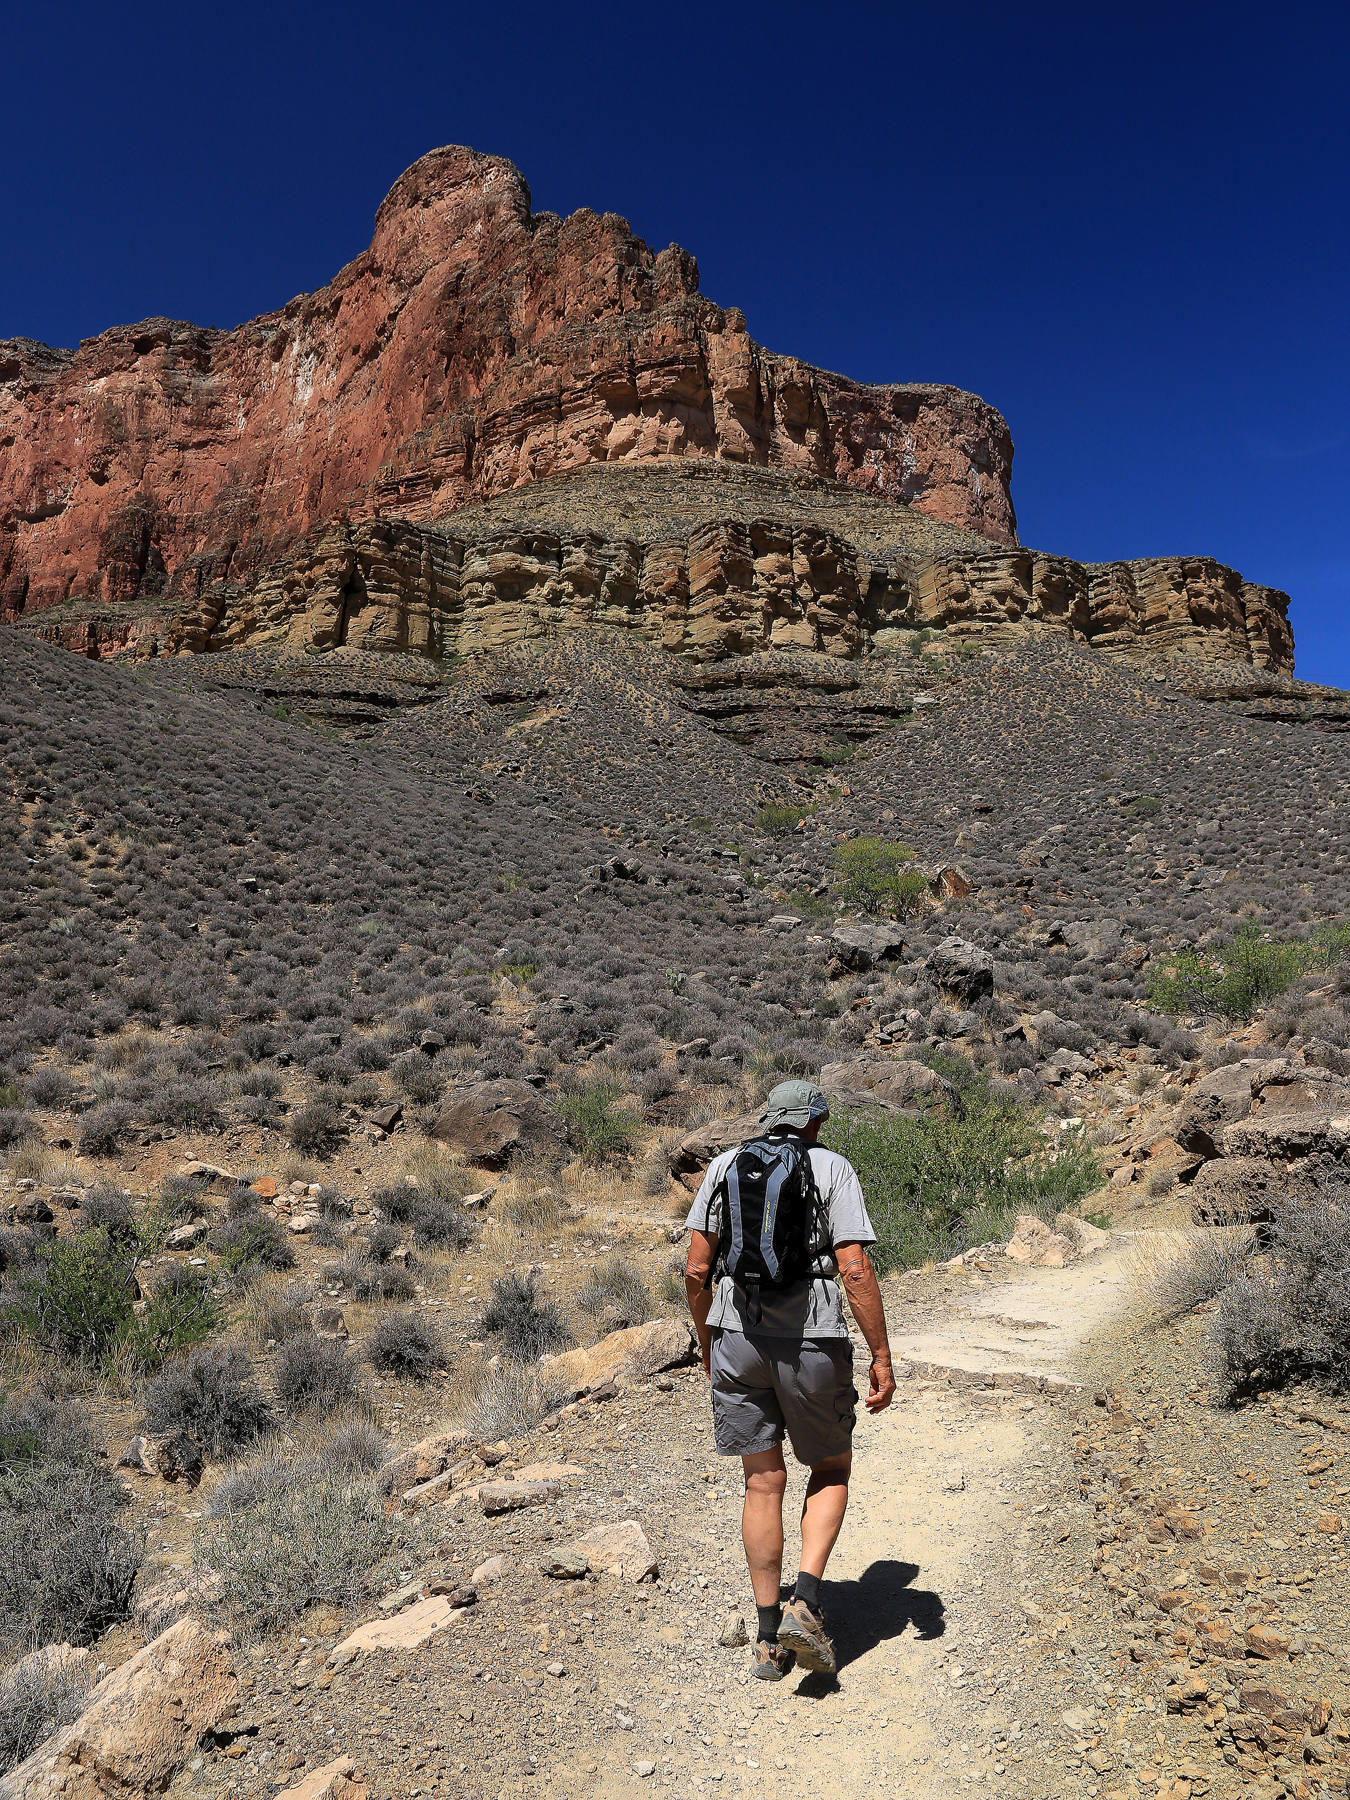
x=778 y=821
x=873 y=877
x=594 y=1128
x=937 y=1185
x=78 y=1297
x=181 y=1312
x=1243 y=974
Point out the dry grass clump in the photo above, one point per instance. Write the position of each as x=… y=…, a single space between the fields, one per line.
x=1173 y=1272
x=276 y=1310
x=615 y=1294
x=42 y=1692
x=508 y=1400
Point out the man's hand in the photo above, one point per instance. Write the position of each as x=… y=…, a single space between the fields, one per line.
x=881 y=1383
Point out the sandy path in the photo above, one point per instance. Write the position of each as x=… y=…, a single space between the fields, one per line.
x=953 y=1488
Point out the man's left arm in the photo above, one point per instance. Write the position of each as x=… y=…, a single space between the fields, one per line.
x=864 y=1297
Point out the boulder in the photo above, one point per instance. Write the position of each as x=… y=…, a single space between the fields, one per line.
x=963 y=969
x=406 y=1630
x=1069 y=1062
x=691 y=1156
x=1081 y=1233
x=143 y=1723
x=881 y=1081
x=1236 y=1190
x=1036 y=1245
x=1223 y=1097
x=1288 y=1136
x=331 y=1325
x=422 y=1462
x=630 y=1355
x=861 y=947
x=622 y=1548
x=492 y=1122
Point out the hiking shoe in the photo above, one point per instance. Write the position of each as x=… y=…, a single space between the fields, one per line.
x=772 y=1661
x=803 y=1632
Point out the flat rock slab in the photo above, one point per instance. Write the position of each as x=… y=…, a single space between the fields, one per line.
x=632 y=1354
x=332 y=1782
x=405 y=1631
x=549 y=1471
x=512 y=1496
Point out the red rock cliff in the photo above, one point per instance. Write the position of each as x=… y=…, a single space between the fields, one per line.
x=473 y=347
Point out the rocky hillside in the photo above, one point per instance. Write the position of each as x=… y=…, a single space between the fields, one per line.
x=474 y=346
x=707 y=560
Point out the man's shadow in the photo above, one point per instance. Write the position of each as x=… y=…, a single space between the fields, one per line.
x=880 y=1605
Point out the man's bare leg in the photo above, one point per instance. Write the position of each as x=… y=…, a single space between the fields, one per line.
x=762 y=1523
x=823 y=1511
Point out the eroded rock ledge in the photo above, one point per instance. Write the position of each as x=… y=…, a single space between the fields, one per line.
x=730 y=587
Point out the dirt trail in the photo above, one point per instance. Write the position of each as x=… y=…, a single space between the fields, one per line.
x=952 y=1492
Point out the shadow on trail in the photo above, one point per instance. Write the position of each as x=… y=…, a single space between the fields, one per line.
x=880 y=1605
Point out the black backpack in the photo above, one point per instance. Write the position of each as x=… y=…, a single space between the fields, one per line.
x=769 y=1207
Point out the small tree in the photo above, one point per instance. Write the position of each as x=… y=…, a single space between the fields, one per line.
x=875 y=878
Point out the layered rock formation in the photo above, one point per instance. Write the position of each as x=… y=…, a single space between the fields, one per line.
x=475 y=346
x=725 y=587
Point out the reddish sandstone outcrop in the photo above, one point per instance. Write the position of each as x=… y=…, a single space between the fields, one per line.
x=475 y=346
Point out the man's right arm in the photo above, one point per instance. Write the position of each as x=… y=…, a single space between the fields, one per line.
x=698 y=1289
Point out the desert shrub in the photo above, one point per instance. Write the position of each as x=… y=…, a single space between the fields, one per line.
x=1160 y=1182
x=369 y=1054
x=15 y=1127
x=186 y=1105
x=430 y=1206
x=251 y=1242
x=67 y=1562
x=263 y=1083
x=415 y=1075
x=210 y=1396
x=1286 y=1316
x=527 y=1326
x=671 y=1286
x=109 y=1209
x=181 y=1311
x=313 y=1374
x=315 y=1129
x=874 y=878
x=103 y=1127
x=617 y=1284
x=291 y=1536
x=37 y=1696
x=596 y=1129
x=48 y=1086
x=778 y=821
x=406 y=1344
x=1246 y=972
x=388 y=1282
x=936 y=1185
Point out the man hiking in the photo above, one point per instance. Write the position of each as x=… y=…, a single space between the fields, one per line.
x=772 y=1225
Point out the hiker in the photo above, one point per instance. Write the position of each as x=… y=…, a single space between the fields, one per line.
x=775 y=1221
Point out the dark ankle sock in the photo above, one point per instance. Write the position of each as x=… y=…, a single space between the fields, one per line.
x=770 y=1618
x=808 y=1589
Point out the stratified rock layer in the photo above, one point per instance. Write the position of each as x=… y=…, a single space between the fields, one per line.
x=475 y=346
x=706 y=560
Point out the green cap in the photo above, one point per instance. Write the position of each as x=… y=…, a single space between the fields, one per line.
x=794 y=1103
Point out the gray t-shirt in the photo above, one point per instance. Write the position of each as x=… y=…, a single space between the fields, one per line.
x=808 y=1309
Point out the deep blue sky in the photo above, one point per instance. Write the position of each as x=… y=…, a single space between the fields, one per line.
x=1127 y=227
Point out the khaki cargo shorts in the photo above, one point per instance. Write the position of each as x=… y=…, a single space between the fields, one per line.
x=763 y=1388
